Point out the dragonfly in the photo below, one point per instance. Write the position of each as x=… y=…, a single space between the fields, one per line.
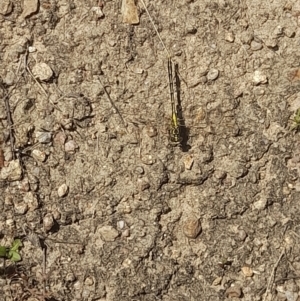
x=178 y=133
x=175 y=132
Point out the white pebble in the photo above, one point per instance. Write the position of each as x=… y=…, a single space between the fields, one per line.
x=48 y=222
x=259 y=78
x=212 y=74
x=62 y=190
x=229 y=37
x=70 y=146
x=256 y=46
x=39 y=155
x=9 y=78
x=278 y=31
x=121 y=224
x=42 y=71
x=31 y=49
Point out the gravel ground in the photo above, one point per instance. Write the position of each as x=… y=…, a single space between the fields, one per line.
x=107 y=208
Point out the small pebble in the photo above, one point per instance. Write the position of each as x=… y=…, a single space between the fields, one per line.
x=129 y=12
x=191 y=29
x=9 y=78
x=192 y=227
x=42 y=71
x=62 y=190
x=256 y=46
x=126 y=233
x=259 y=78
x=233 y=292
x=139 y=170
x=148 y=159
x=212 y=74
x=108 y=233
x=127 y=209
x=39 y=155
x=151 y=131
x=111 y=43
x=98 y=11
x=229 y=37
x=56 y=214
x=102 y=128
x=200 y=115
x=127 y=263
x=258 y=91
x=246 y=38
x=89 y=281
x=242 y=235
x=217 y=281
x=43 y=137
x=20 y=207
x=278 y=31
x=260 y=204
x=77 y=285
x=188 y=161
x=238 y=91
x=48 y=222
x=60 y=138
x=143 y=184
x=247 y=271
x=24 y=185
x=31 y=49
x=271 y=43
x=220 y=174
x=70 y=146
x=290 y=33
x=10 y=222
x=121 y=224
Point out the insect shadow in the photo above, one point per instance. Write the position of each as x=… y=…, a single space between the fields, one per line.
x=184 y=130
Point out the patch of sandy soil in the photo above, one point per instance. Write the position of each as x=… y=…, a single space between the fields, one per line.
x=107 y=208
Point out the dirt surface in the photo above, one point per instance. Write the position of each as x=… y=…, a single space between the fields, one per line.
x=106 y=207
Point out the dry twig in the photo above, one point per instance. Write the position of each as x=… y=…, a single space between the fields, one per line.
x=113 y=104
x=272 y=274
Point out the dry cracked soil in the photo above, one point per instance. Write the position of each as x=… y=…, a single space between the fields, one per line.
x=106 y=206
